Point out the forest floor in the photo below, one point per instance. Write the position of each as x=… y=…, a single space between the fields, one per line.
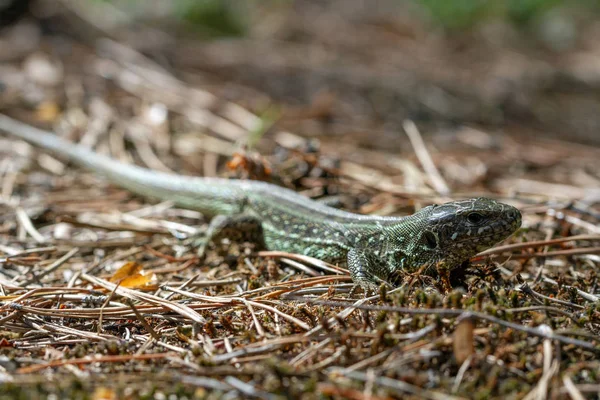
x=103 y=295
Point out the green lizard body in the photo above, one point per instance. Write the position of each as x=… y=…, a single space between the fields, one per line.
x=372 y=247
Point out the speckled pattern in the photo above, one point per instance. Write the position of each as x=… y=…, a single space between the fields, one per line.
x=374 y=248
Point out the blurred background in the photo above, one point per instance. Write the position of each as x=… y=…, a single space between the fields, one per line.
x=362 y=66
x=496 y=87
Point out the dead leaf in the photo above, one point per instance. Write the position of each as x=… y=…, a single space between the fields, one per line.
x=47 y=111
x=103 y=393
x=131 y=275
x=463 y=340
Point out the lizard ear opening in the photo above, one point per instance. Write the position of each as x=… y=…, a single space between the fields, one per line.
x=430 y=240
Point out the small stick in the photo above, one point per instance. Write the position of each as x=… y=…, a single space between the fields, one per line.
x=418 y=145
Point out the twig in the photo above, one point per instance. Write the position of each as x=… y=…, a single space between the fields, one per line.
x=397 y=385
x=572 y=389
x=539 y=243
x=423 y=155
x=457 y=313
x=145 y=323
x=52 y=267
x=91 y=360
x=26 y=223
x=136 y=295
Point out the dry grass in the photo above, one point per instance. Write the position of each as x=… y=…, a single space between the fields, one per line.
x=521 y=320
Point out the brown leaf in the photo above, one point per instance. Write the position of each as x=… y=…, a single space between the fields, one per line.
x=47 y=111
x=463 y=340
x=128 y=269
x=103 y=393
x=131 y=275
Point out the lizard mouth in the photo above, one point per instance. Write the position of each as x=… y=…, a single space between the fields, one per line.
x=480 y=242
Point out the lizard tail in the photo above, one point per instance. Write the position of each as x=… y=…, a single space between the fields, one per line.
x=48 y=141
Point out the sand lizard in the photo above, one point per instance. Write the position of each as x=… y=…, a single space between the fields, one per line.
x=373 y=247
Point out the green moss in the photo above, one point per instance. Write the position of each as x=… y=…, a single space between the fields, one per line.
x=215 y=17
x=464 y=14
x=459 y=14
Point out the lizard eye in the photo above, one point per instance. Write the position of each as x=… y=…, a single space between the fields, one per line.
x=475 y=218
x=430 y=240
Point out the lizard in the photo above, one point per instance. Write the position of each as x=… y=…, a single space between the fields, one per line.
x=374 y=248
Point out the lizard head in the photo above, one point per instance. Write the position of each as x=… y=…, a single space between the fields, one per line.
x=454 y=232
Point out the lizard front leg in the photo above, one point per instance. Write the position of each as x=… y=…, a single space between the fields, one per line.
x=367 y=269
x=239 y=228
